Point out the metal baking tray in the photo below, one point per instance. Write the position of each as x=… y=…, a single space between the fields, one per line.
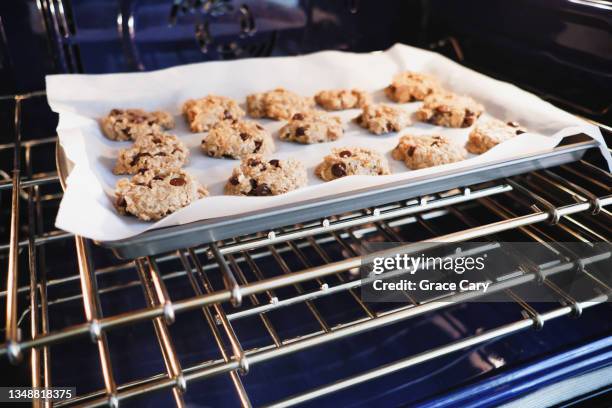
x=200 y=232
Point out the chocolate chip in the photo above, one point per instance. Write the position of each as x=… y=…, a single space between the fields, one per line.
x=513 y=124
x=263 y=190
x=390 y=127
x=258 y=144
x=253 y=183
x=227 y=114
x=258 y=126
x=434 y=144
x=391 y=88
x=116 y=112
x=358 y=119
x=274 y=162
x=136 y=158
x=469 y=119
x=178 y=182
x=244 y=136
x=234 y=180
x=121 y=202
x=519 y=132
x=156 y=140
x=298 y=116
x=339 y=169
x=345 y=153
x=300 y=131
x=411 y=150
x=253 y=162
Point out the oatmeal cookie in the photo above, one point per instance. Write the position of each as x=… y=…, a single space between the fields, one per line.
x=419 y=152
x=155 y=193
x=450 y=110
x=340 y=99
x=259 y=177
x=349 y=161
x=237 y=139
x=129 y=124
x=491 y=132
x=411 y=86
x=312 y=127
x=160 y=150
x=203 y=113
x=277 y=104
x=382 y=118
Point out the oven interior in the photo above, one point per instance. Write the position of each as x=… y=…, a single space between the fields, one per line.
x=275 y=318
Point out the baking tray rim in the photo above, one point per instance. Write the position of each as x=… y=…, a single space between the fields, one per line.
x=203 y=231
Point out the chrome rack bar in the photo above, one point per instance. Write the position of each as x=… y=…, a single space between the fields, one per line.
x=255 y=302
x=228 y=276
x=92 y=314
x=242 y=394
x=297 y=277
x=432 y=354
x=376 y=215
x=41 y=239
x=12 y=330
x=171 y=361
x=35 y=353
x=43 y=179
x=311 y=306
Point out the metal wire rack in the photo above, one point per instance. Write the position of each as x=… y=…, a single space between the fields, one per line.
x=248 y=281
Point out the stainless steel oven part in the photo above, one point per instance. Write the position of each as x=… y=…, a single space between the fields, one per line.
x=570 y=200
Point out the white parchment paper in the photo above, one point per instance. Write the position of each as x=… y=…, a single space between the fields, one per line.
x=86 y=208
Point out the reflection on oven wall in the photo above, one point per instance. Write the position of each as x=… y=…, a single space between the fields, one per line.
x=519 y=41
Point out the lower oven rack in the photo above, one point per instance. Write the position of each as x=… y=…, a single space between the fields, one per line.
x=229 y=286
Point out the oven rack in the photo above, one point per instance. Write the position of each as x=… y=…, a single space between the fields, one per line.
x=547 y=196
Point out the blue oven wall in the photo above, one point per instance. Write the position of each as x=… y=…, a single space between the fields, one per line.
x=97 y=36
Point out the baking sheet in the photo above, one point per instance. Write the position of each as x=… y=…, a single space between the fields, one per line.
x=86 y=208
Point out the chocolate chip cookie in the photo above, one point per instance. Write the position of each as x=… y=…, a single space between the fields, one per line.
x=349 y=161
x=382 y=118
x=340 y=99
x=312 y=127
x=257 y=176
x=491 y=132
x=237 y=139
x=156 y=193
x=129 y=124
x=411 y=86
x=202 y=114
x=279 y=104
x=156 y=151
x=419 y=152
x=450 y=110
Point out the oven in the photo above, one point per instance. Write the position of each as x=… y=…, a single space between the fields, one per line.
x=275 y=316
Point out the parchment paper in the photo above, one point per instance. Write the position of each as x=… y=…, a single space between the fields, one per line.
x=86 y=208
